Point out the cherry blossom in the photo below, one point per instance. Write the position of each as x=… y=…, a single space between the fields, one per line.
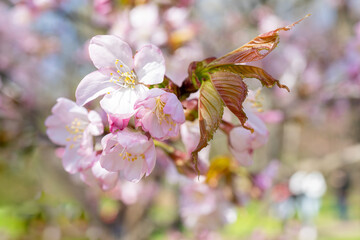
x=204 y=207
x=140 y=25
x=264 y=179
x=129 y=152
x=73 y=126
x=120 y=77
x=243 y=142
x=160 y=113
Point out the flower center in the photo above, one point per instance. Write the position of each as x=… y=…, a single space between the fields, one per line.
x=130 y=157
x=159 y=110
x=124 y=77
x=76 y=129
x=161 y=116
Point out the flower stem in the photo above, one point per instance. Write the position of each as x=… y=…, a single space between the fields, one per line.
x=164 y=146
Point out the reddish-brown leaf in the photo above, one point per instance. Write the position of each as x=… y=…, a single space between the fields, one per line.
x=232 y=91
x=256 y=49
x=246 y=71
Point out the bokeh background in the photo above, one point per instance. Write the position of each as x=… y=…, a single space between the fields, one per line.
x=314 y=129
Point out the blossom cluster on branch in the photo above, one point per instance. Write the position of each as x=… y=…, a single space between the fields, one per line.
x=145 y=111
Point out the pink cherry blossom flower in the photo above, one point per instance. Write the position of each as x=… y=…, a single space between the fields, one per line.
x=264 y=179
x=202 y=207
x=73 y=126
x=160 y=113
x=243 y=142
x=120 y=77
x=130 y=153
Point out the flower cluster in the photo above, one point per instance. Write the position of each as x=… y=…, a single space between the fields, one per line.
x=127 y=150
x=143 y=111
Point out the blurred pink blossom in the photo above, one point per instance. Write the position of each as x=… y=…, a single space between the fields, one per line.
x=103 y=7
x=202 y=207
x=264 y=179
x=141 y=25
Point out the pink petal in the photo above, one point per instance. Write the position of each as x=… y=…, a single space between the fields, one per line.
x=255 y=122
x=244 y=158
x=121 y=102
x=74 y=160
x=105 y=49
x=63 y=105
x=190 y=135
x=135 y=142
x=112 y=161
x=150 y=123
x=87 y=143
x=110 y=158
x=149 y=65
x=88 y=177
x=56 y=130
x=135 y=170
x=96 y=126
x=240 y=139
x=174 y=107
x=92 y=86
x=150 y=157
x=108 y=141
x=107 y=180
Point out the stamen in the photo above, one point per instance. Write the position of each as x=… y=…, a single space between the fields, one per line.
x=125 y=77
x=76 y=129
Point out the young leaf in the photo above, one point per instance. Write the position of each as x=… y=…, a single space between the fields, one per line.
x=246 y=71
x=221 y=82
x=232 y=91
x=211 y=109
x=256 y=49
